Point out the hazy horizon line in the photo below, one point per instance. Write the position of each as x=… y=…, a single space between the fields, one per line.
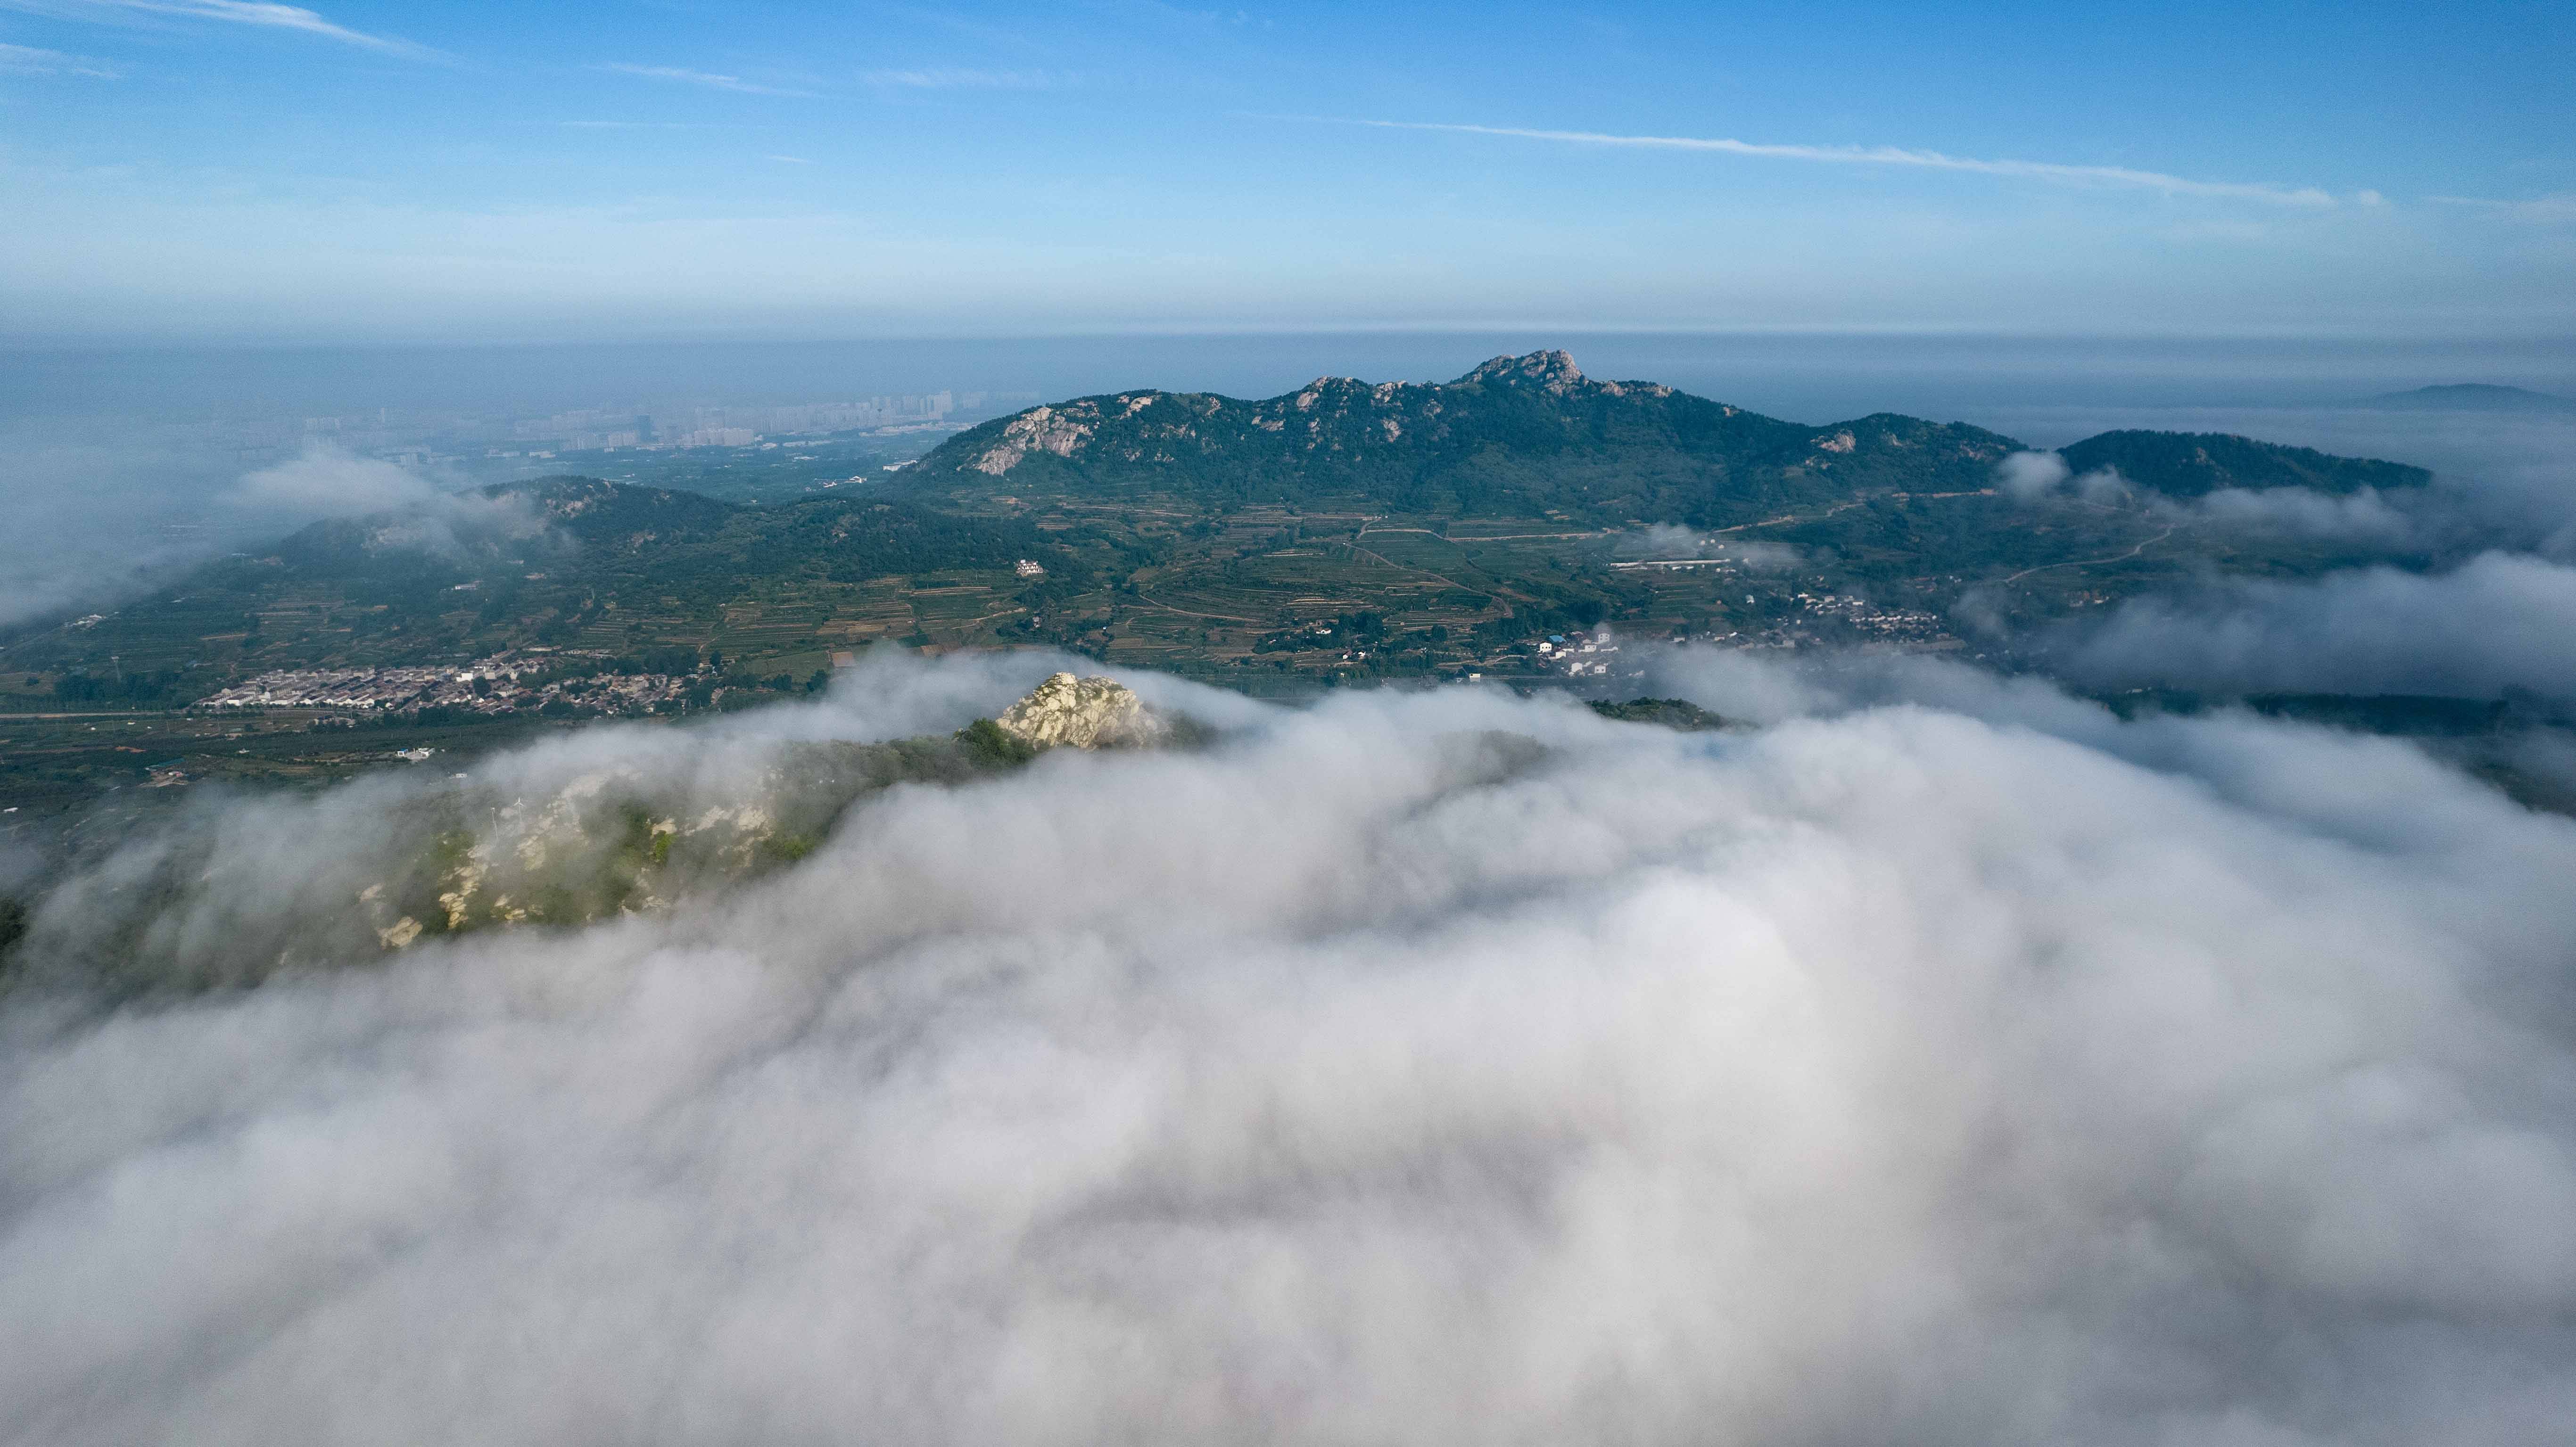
x=43 y=344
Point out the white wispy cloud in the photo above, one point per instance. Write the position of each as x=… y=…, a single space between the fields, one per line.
x=29 y=60
x=701 y=77
x=237 y=12
x=791 y=160
x=2050 y=171
x=951 y=78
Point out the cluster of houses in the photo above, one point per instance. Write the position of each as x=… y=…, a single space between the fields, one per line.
x=353 y=688
x=505 y=682
x=1579 y=656
x=1890 y=623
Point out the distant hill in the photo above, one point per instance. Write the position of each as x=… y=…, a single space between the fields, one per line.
x=2471 y=397
x=596 y=540
x=557 y=562
x=1345 y=530
x=1518 y=436
x=2189 y=464
x=1533 y=436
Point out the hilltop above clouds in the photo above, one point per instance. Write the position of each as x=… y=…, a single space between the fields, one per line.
x=1933 y=1058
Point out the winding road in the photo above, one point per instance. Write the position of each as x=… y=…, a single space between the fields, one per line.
x=2089 y=562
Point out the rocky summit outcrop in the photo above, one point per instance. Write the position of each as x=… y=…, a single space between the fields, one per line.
x=1082 y=713
x=1532 y=436
x=1524 y=436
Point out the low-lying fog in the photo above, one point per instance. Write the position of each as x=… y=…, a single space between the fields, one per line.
x=1943 y=1061
x=122 y=467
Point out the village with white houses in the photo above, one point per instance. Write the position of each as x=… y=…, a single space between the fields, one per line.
x=506 y=682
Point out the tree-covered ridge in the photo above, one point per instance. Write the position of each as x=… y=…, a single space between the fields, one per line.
x=1339 y=532
x=1531 y=436
x=558 y=562
x=593 y=527
x=2189 y=464
x=1518 y=436
x=585 y=529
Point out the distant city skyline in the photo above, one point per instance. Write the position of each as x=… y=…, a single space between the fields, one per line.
x=196 y=170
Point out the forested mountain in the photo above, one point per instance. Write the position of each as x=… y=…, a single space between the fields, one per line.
x=2189 y=464
x=1530 y=435
x=615 y=536
x=557 y=562
x=1346 y=529
x=1518 y=436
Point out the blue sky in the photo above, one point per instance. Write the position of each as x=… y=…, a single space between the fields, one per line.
x=214 y=170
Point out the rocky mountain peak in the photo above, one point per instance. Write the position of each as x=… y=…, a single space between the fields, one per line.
x=1554 y=370
x=1082 y=713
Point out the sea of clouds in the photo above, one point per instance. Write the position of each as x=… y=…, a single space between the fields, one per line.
x=1938 y=1059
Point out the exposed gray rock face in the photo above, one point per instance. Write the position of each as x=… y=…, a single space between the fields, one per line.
x=1084 y=713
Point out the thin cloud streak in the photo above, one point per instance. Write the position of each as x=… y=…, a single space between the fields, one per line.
x=946 y=78
x=237 y=12
x=2051 y=171
x=31 y=60
x=700 y=77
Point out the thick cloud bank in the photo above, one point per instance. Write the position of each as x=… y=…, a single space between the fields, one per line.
x=1431 y=1069
x=2463 y=588
x=2361 y=517
x=2498 y=622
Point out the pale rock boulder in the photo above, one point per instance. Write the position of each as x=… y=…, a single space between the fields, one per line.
x=1084 y=713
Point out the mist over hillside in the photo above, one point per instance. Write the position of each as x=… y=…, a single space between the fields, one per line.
x=159 y=430
x=1833 y=1044
x=1670 y=726
x=1202 y=533
x=1929 y=1058
x=1819 y=1039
